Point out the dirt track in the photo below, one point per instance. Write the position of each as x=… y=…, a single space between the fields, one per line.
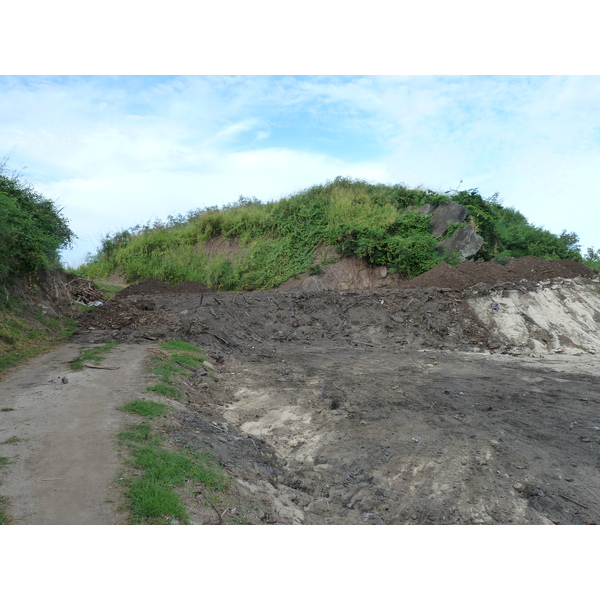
x=431 y=405
x=63 y=467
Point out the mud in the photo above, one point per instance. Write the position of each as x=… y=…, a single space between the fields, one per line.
x=443 y=404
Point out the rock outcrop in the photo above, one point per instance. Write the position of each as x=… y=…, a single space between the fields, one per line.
x=465 y=242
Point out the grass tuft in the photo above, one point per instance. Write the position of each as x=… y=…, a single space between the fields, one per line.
x=94 y=355
x=145 y=408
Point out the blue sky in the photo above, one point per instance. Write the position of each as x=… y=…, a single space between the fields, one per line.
x=116 y=151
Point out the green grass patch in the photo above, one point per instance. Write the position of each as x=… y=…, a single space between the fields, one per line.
x=93 y=355
x=6 y=409
x=158 y=473
x=3 y=461
x=153 y=497
x=164 y=389
x=178 y=359
x=137 y=433
x=145 y=408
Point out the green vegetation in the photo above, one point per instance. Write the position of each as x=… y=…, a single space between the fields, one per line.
x=176 y=358
x=152 y=497
x=94 y=355
x=160 y=474
x=32 y=230
x=592 y=259
x=145 y=408
x=26 y=332
x=279 y=240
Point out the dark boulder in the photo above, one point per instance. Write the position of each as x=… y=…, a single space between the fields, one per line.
x=464 y=241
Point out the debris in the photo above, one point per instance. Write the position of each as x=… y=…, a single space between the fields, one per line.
x=105 y=368
x=573 y=501
x=85 y=292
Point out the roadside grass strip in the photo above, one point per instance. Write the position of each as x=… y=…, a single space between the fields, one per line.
x=145 y=408
x=173 y=359
x=93 y=355
x=157 y=472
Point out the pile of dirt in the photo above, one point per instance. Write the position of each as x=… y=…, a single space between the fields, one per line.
x=468 y=274
x=155 y=286
x=133 y=315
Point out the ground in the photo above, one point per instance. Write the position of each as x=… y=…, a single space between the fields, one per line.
x=439 y=404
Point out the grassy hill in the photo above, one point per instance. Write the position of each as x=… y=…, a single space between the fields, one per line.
x=255 y=245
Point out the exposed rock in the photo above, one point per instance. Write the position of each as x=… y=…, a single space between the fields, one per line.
x=446 y=214
x=465 y=241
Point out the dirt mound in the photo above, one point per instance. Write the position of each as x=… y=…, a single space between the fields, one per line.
x=467 y=274
x=190 y=287
x=155 y=286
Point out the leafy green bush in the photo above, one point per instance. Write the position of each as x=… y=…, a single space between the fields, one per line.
x=32 y=230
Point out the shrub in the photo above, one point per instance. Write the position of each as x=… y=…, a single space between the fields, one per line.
x=32 y=230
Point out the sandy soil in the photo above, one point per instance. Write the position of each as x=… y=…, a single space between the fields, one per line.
x=62 y=469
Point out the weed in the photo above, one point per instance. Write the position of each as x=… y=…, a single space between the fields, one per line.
x=94 y=355
x=170 y=391
x=137 y=433
x=13 y=440
x=3 y=461
x=181 y=359
x=145 y=408
x=6 y=409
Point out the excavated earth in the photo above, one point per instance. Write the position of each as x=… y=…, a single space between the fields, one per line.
x=467 y=395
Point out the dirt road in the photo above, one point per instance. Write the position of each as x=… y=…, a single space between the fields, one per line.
x=60 y=438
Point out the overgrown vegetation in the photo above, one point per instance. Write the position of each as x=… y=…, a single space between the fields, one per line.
x=93 y=355
x=32 y=229
x=279 y=240
x=4 y=516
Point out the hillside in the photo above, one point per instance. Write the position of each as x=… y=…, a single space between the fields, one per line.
x=35 y=305
x=253 y=245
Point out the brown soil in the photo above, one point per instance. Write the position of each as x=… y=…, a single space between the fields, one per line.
x=392 y=406
x=467 y=274
x=468 y=397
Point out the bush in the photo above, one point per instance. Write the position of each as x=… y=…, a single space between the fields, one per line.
x=32 y=230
